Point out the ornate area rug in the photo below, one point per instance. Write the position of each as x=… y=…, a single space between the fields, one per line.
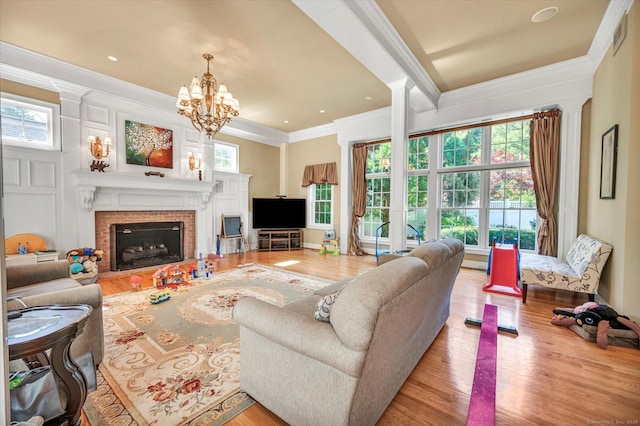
x=178 y=362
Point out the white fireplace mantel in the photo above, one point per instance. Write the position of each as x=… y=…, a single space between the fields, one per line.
x=89 y=182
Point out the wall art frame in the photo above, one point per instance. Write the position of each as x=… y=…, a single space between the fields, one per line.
x=608 y=162
x=148 y=145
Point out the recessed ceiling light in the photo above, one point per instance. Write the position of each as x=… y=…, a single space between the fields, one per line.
x=544 y=14
x=322 y=111
x=286 y=121
x=367 y=98
x=112 y=58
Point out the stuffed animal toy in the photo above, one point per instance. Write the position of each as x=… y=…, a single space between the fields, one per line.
x=601 y=316
x=83 y=260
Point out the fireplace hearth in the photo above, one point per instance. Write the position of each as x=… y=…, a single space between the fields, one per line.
x=137 y=245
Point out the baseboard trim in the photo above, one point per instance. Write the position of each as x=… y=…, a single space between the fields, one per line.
x=472 y=264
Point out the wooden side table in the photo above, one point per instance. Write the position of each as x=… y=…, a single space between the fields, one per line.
x=52 y=327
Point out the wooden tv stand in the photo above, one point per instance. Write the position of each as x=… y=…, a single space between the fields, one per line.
x=284 y=239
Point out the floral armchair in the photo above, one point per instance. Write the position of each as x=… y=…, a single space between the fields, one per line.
x=580 y=272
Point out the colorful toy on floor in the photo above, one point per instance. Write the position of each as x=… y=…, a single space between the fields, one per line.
x=592 y=314
x=159 y=296
x=503 y=278
x=170 y=275
x=329 y=243
x=136 y=283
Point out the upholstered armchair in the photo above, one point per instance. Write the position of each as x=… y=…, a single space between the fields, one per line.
x=579 y=272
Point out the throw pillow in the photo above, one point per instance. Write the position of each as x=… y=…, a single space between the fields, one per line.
x=323 y=307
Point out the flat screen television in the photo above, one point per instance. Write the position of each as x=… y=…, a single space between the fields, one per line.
x=279 y=213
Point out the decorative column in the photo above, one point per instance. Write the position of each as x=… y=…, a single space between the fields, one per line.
x=569 y=184
x=399 y=129
x=70 y=129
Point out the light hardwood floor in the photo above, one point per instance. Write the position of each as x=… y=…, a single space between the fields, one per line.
x=545 y=376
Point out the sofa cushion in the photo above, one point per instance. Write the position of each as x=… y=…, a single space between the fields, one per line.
x=586 y=250
x=355 y=313
x=433 y=252
x=323 y=307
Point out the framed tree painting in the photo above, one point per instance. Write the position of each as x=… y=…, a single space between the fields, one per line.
x=608 y=163
x=148 y=145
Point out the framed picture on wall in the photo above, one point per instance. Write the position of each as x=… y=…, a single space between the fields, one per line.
x=608 y=161
x=148 y=145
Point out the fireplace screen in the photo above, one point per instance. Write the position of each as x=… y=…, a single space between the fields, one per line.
x=136 y=245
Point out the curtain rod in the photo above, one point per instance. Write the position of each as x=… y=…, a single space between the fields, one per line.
x=542 y=114
x=358 y=145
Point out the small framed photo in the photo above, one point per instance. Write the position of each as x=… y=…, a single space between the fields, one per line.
x=608 y=164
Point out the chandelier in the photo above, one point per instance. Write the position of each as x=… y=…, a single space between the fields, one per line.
x=207 y=105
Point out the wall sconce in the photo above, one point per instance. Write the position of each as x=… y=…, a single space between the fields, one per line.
x=99 y=152
x=195 y=162
x=192 y=160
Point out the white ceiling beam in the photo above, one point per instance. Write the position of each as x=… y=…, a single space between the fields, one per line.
x=366 y=33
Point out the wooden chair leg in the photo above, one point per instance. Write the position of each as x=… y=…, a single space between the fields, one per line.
x=524 y=293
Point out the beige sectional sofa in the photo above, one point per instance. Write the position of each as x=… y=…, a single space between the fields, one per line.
x=347 y=371
x=49 y=283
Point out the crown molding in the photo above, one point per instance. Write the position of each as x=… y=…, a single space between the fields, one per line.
x=604 y=36
x=246 y=129
x=559 y=72
x=312 y=133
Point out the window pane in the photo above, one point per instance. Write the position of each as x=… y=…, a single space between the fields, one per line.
x=378 y=190
x=512 y=214
x=417 y=153
x=27 y=124
x=462 y=148
x=510 y=142
x=226 y=157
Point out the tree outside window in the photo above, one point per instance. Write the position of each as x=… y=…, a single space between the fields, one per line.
x=378 y=190
x=417 y=185
x=488 y=201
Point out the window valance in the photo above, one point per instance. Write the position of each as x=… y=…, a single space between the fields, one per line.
x=320 y=173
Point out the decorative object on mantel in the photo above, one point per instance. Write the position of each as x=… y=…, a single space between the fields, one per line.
x=148 y=145
x=207 y=105
x=154 y=174
x=99 y=152
x=195 y=161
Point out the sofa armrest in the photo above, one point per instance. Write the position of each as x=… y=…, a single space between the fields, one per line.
x=304 y=335
x=92 y=336
x=21 y=275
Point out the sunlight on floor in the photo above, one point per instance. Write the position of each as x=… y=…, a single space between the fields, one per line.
x=287 y=263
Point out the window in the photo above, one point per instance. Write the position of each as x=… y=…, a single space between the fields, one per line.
x=29 y=123
x=226 y=157
x=321 y=200
x=417 y=184
x=378 y=190
x=486 y=186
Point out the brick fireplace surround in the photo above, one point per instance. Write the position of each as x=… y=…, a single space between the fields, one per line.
x=104 y=219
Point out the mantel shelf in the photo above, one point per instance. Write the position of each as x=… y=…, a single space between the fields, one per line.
x=140 y=181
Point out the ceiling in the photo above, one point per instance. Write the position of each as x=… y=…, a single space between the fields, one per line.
x=284 y=66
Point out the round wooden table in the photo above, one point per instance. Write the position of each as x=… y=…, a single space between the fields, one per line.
x=54 y=327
